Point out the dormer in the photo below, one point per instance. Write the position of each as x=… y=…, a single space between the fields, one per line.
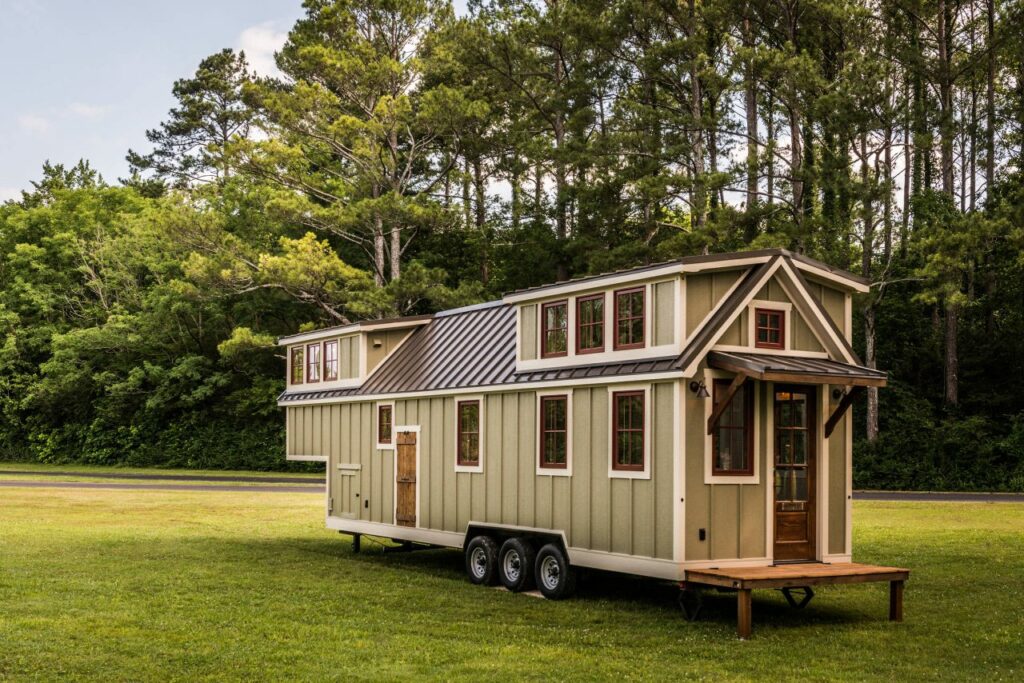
x=625 y=316
x=343 y=356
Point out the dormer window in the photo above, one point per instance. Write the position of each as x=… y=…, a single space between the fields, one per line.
x=554 y=331
x=330 y=360
x=590 y=324
x=313 y=363
x=298 y=365
x=770 y=328
x=629 y=318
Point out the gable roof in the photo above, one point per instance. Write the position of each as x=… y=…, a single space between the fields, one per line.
x=475 y=346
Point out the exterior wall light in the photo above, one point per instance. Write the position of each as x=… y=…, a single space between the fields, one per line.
x=699 y=389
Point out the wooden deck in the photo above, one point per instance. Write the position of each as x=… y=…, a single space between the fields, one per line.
x=796 y=576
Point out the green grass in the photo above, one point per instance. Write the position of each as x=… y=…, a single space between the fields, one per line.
x=151 y=585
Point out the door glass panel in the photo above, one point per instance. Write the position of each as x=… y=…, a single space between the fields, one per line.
x=799 y=411
x=783 y=450
x=799 y=444
x=800 y=484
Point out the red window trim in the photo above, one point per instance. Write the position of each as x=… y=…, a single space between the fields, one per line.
x=302 y=365
x=782 y=328
x=643 y=317
x=579 y=326
x=319 y=363
x=337 y=360
x=543 y=431
x=459 y=459
x=544 y=329
x=748 y=417
x=391 y=412
x=615 y=431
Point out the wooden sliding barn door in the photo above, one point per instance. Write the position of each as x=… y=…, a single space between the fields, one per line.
x=405 y=479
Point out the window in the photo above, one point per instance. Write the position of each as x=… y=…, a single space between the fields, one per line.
x=298 y=365
x=331 y=360
x=769 y=328
x=554 y=432
x=385 y=424
x=554 y=329
x=468 y=433
x=313 y=363
x=732 y=442
x=628 y=431
x=590 y=324
x=629 y=318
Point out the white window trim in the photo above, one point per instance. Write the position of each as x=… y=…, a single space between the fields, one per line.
x=479 y=467
x=645 y=473
x=376 y=425
x=554 y=471
x=709 y=477
x=787 y=323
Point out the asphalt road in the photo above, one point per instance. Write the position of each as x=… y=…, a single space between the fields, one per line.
x=171 y=477
x=315 y=487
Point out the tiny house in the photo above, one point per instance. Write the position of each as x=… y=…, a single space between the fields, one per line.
x=671 y=418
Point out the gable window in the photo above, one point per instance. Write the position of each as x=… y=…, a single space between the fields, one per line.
x=769 y=328
x=554 y=432
x=628 y=431
x=590 y=324
x=331 y=360
x=629 y=318
x=554 y=329
x=385 y=424
x=468 y=433
x=732 y=442
x=313 y=363
x=298 y=365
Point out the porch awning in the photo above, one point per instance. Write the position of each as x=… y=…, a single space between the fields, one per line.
x=796 y=368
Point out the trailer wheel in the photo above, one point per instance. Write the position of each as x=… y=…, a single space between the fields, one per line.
x=556 y=578
x=482 y=561
x=515 y=564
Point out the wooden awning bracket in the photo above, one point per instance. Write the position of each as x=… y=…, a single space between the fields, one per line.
x=716 y=414
x=841 y=409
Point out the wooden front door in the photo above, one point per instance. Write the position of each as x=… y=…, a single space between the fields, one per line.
x=795 y=465
x=405 y=479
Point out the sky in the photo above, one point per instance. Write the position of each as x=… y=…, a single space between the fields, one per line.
x=86 y=78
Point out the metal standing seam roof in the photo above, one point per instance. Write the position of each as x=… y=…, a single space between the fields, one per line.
x=765 y=364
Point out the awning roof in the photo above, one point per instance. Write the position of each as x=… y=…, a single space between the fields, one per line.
x=796 y=369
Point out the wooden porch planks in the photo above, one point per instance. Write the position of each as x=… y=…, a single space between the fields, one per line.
x=746 y=579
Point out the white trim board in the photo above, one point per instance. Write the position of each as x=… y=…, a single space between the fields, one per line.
x=645 y=473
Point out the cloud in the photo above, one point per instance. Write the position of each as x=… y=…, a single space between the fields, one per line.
x=87 y=111
x=34 y=124
x=259 y=43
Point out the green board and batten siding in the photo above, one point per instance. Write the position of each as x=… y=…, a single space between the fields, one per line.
x=596 y=512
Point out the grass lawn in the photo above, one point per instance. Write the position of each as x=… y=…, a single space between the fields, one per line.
x=153 y=585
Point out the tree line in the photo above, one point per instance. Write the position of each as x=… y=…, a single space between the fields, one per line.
x=405 y=159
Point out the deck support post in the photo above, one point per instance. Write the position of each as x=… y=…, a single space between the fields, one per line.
x=356 y=542
x=744 y=608
x=895 y=601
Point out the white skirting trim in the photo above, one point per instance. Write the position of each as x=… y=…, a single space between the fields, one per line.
x=837 y=558
x=720 y=564
x=450 y=539
x=306 y=458
x=627 y=564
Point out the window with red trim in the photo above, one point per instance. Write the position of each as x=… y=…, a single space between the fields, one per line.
x=469 y=433
x=628 y=430
x=330 y=360
x=313 y=363
x=554 y=431
x=384 y=423
x=629 y=318
x=298 y=365
x=554 y=329
x=590 y=324
x=732 y=441
x=769 y=328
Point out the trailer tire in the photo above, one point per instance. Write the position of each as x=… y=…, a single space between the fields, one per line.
x=556 y=578
x=482 y=561
x=515 y=564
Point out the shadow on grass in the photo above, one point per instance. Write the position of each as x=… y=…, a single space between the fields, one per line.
x=619 y=591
